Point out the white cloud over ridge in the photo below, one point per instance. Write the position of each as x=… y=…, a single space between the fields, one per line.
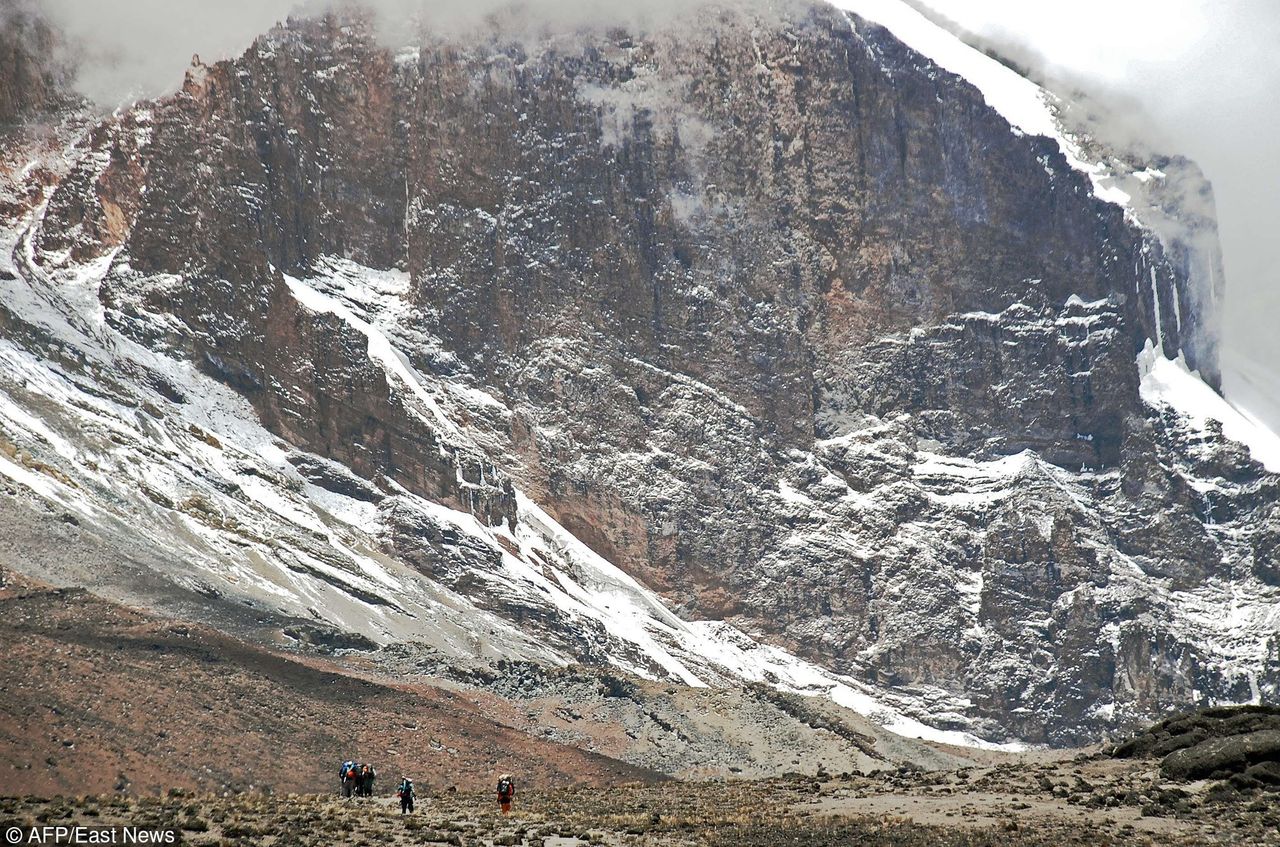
x=130 y=49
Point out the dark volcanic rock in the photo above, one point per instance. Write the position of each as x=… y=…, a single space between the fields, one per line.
x=1196 y=728
x=1223 y=756
x=328 y=639
x=1057 y=380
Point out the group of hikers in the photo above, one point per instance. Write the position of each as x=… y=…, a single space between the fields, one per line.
x=356 y=780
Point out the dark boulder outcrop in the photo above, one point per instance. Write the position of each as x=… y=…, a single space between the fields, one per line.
x=1219 y=742
x=1220 y=757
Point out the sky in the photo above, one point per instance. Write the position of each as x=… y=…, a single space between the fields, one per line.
x=1196 y=77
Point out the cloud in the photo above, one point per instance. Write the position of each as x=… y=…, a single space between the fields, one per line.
x=139 y=48
x=131 y=49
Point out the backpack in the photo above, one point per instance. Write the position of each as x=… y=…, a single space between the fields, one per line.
x=406 y=789
x=505 y=788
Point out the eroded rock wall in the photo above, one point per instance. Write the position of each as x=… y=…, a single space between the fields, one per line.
x=787 y=323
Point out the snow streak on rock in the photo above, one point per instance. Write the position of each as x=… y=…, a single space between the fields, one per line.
x=241 y=514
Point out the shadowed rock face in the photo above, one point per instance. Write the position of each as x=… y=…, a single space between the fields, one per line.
x=735 y=285
x=770 y=213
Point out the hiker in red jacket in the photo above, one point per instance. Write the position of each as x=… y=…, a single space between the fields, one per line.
x=347 y=775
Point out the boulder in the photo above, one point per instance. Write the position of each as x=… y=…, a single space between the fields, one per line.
x=1223 y=756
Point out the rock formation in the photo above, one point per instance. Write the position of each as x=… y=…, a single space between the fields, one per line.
x=773 y=313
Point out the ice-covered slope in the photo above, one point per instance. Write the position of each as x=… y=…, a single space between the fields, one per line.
x=1169 y=382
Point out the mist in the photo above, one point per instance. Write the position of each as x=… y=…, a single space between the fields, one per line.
x=1193 y=77
x=124 y=51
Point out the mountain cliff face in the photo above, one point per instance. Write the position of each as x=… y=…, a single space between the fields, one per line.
x=772 y=313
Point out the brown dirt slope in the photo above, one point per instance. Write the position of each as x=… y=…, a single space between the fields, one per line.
x=95 y=697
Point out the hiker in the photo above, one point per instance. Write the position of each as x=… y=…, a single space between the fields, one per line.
x=347 y=776
x=506 y=790
x=367 y=776
x=405 y=792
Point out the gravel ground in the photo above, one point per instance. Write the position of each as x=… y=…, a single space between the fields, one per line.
x=1015 y=804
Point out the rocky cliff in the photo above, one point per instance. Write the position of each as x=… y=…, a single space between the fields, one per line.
x=773 y=313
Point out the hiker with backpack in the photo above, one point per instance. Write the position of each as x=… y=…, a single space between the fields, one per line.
x=347 y=777
x=506 y=790
x=406 y=795
x=367 y=776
